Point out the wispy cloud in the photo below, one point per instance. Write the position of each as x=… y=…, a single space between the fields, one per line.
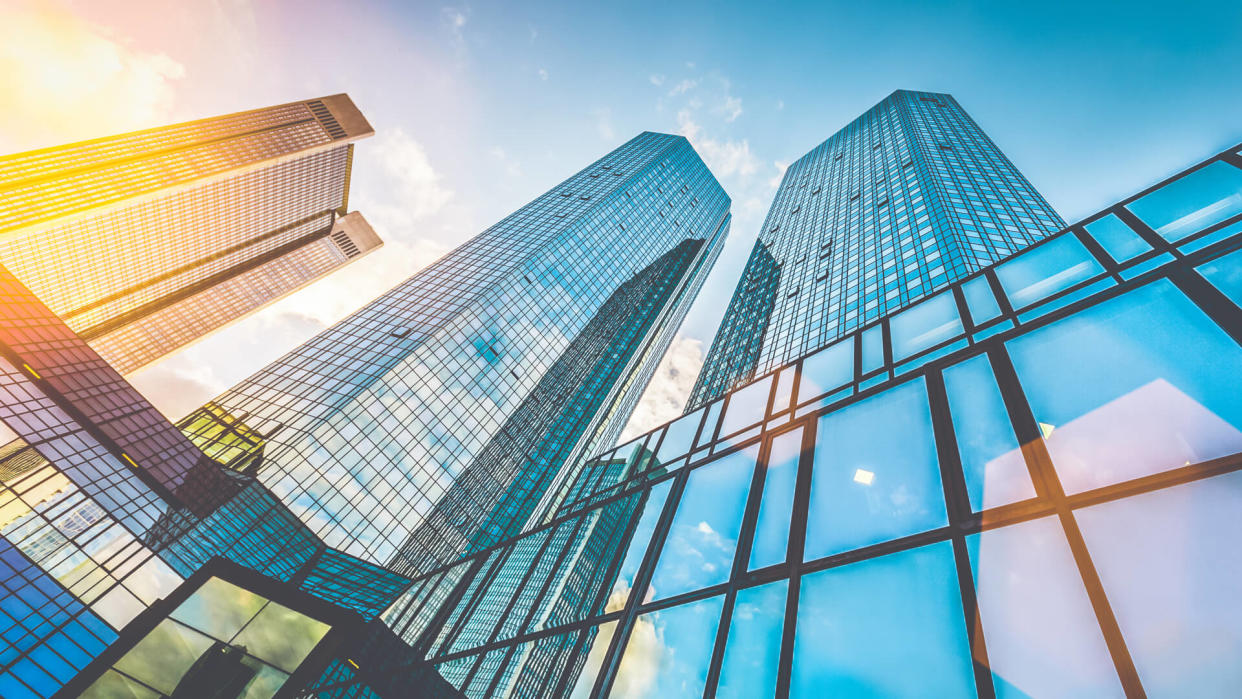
x=724 y=157
x=512 y=167
x=455 y=19
x=543 y=73
x=669 y=389
x=656 y=79
x=683 y=87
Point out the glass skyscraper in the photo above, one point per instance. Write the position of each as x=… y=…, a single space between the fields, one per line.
x=908 y=197
x=149 y=240
x=1033 y=492
x=431 y=422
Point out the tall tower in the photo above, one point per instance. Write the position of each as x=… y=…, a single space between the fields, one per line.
x=146 y=241
x=434 y=420
x=904 y=200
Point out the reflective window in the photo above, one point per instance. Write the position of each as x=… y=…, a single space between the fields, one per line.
x=776 y=508
x=784 y=390
x=872 y=349
x=703 y=535
x=827 y=369
x=980 y=300
x=680 y=434
x=875 y=474
x=1040 y=628
x=1049 y=268
x=1225 y=273
x=1170 y=565
x=638 y=546
x=1136 y=385
x=747 y=406
x=595 y=647
x=1206 y=196
x=889 y=626
x=1117 y=239
x=709 y=424
x=992 y=462
x=927 y=324
x=669 y=651
x=752 y=650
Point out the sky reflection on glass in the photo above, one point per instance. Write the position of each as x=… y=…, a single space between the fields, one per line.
x=752 y=650
x=1225 y=273
x=886 y=627
x=866 y=490
x=1136 y=385
x=1117 y=239
x=638 y=546
x=771 y=540
x=1206 y=196
x=703 y=535
x=668 y=652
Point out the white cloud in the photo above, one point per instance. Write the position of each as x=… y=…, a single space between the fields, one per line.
x=644 y=655
x=725 y=158
x=64 y=79
x=543 y=73
x=666 y=395
x=683 y=87
x=416 y=188
x=731 y=108
x=656 y=79
x=781 y=167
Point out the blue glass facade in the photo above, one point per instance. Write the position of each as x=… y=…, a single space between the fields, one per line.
x=1031 y=490
x=908 y=197
x=396 y=435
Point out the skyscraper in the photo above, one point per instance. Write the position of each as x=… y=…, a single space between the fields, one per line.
x=1031 y=491
x=905 y=199
x=146 y=241
x=432 y=421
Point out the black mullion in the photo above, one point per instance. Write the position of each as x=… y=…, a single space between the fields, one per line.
x=612 y=659
x=998 y=292
x=963 y=311
x=1210 y=300
x=1025 y=424
x=796 y=549
x=1232 y=158
x=957 y=503
x=428 y=637
x=741 y=562
x=1150 y=236
x=887 y=345
x=1113 y=267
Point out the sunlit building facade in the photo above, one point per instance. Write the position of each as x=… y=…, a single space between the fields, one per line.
x=147 y=241
x=432 y=422
x=1030 y=487
x=905 y=199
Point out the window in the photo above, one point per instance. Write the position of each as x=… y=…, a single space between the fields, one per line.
x=1193 y=202
x=1046 y=270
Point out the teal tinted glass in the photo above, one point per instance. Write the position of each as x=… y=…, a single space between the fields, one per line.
x=685 y=635
x=1049 y=268
x=980 y=300
x=1117 y=239
x=826 y=370
x=928 y=324
x=872 y=348
x=1225 y=273
x=1191 y=203
x=638 y=545
x=886 y=627
x=776 y=507
x=875 y=475
x=753 y=648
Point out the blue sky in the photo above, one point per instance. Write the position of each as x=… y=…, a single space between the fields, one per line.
x=479 y=107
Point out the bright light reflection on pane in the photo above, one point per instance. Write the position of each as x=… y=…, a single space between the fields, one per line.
x=1170 y=564
x=703 y=535
x=1117 y=239
x=746 y=406
x=752 y=650
x=927 y=324
x=595 y=647
x=826 y=370
x=771 y=540
x=1190 y=204
x=890 y=437
x=1052 y=267
x=1225 y=273
x=1134 y=386
x=668 y=652
x=1041 y=632
x=885 y=627
x=992 y=462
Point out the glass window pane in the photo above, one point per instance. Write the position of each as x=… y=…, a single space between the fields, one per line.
x=668 y=652
x=709 y=424
x=826 y=370
x=872 y=349
x=1117 y=239
x=595 y=647
x=747 y=406
x=281 y=636
x=890 y=626
x=875 y=474
x=1206 y=196
x=680 y=434
x=162 y=658
x=992 y=462
x=776 y=508
x=219 y=609
x=929 y=323
x=1053 y=266
x=784 y=390
x=980 y=300
x=638 y=546
x=753 y=648
x=703 y=535
x=1139 y=384
x=1225 y=273
x=1041 y=633
x=1170 y=564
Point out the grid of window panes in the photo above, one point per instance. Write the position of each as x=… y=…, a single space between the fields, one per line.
x=161 y=230
x=910 y=196
x=369 y=423
x=1035 y=494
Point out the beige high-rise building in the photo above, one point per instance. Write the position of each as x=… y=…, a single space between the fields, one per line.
x=147 y=241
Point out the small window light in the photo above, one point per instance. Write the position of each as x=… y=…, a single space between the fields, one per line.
x=1046 y=430
x=864 y=476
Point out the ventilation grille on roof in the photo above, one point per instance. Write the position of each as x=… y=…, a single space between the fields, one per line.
x=326 y=120
x=345 y=244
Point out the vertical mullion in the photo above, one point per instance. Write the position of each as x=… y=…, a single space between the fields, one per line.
x=795 y=552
